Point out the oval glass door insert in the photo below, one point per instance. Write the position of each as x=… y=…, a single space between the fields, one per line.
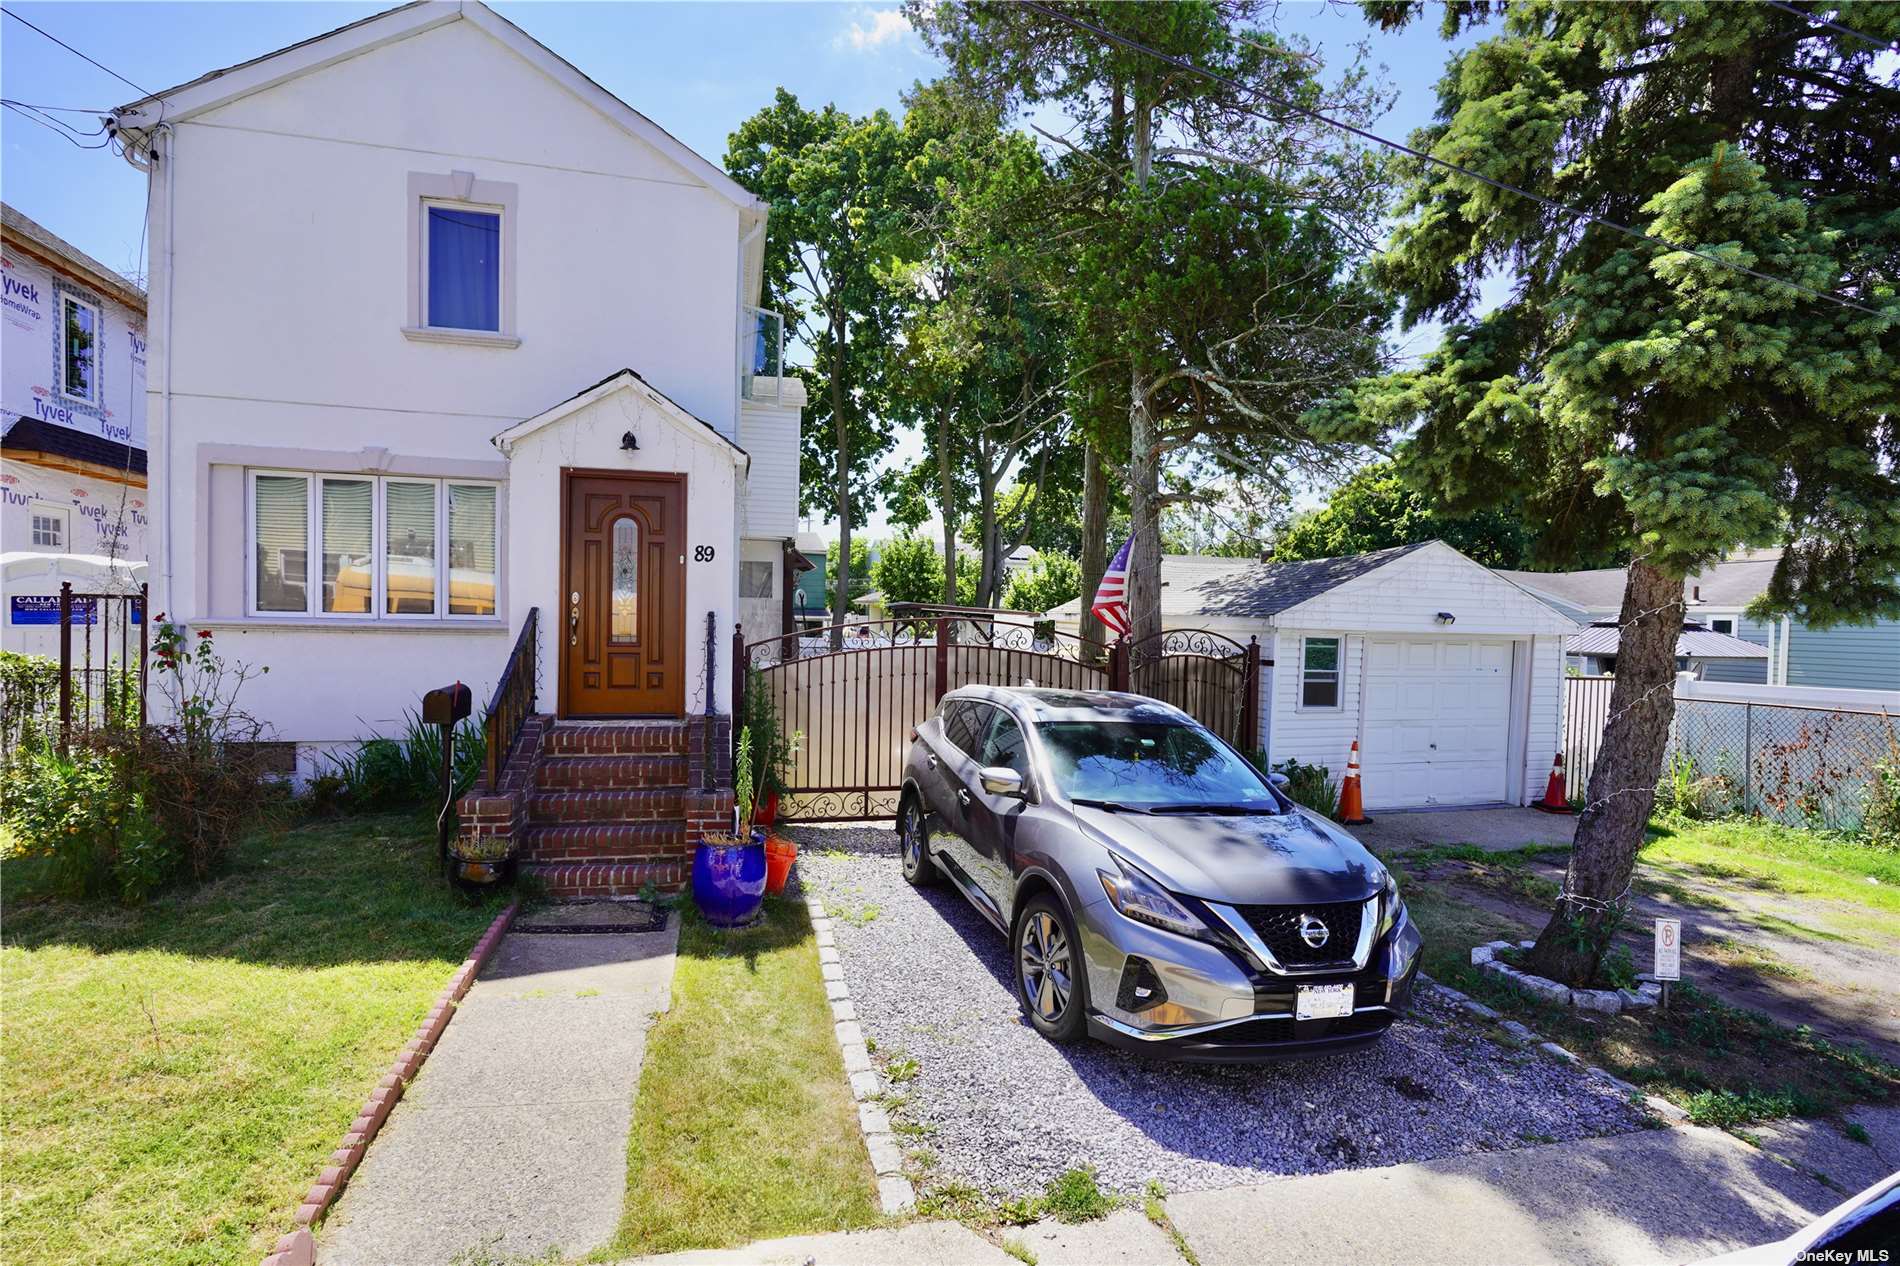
x=624 y=626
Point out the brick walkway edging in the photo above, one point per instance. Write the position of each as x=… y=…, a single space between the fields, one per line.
x=894 y=1191
x=299 y=1248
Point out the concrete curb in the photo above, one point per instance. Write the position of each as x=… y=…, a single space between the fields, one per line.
x=1654 y=1103
x=894 y=1191
x=1606 y=1001
x=299 y=1247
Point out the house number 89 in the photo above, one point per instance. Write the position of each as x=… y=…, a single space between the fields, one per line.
x=702 y=553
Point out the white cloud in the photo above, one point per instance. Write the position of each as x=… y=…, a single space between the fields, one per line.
x=874 y=29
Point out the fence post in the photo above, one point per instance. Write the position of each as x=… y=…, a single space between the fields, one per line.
x=1118 y=664
x=738 y=686
x=1748 y=753
x=65 y=664
x=943 y=659
x=1250 y=700
x=145 y=645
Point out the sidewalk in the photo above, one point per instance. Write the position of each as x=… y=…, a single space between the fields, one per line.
x=1658 y=1196
x=513 y=1139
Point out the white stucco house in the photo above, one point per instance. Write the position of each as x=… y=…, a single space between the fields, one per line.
x=443 y=333
x=1449 y=675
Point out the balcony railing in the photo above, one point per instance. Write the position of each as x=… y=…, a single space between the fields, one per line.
x=761 y=353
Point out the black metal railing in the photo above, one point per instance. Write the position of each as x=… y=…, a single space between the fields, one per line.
x=513 y=701
x=102 y=661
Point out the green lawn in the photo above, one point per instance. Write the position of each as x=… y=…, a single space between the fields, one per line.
x=1775 y=858
x=173 y=1077
x=744 y=1127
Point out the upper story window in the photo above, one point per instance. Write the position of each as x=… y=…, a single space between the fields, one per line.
x=463 y=290
x=1723 y=626
x=49 y=527
x=383 y=547
x=79 y=328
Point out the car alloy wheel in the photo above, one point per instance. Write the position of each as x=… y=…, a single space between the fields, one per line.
x=1043 y=958
x=919 y=869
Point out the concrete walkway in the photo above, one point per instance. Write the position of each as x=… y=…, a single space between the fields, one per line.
x=1495 y=830
x=1645 y=1199
x=513 y=1139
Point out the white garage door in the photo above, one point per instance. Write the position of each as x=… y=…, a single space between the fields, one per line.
x=1438 y=720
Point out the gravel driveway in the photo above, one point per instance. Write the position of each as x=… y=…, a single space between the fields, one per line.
x=1005 y=1111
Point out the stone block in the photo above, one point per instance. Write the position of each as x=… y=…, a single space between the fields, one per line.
x=866 y=1085
x=873 y=1119
x=896 y=1195
x=886 y=1156
x=1607 y=1001
x=1482 y=954
x=1558 y=1052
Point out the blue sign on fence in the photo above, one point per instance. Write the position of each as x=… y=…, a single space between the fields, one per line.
x=43 y=608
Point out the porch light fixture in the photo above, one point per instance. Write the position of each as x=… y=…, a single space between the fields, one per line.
x=629 y=444
x=1446 y=617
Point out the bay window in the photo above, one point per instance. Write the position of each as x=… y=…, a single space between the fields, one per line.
x=380 y=545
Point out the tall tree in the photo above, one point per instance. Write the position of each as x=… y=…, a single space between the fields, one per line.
x=830 y=179
x=1377 y=509
x=1657 y=397
x=1213 y=267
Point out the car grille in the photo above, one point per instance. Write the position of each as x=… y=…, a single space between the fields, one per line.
x=1284 y=1029
x=1279 y=927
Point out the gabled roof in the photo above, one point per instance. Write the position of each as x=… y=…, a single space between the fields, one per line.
x=1729 y=585
x=30 y=237
x=1694 y=642
x=1247 y=588
x=219 y=87
x=621 y=380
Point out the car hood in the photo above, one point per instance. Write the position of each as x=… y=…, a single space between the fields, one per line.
x=1279 y=859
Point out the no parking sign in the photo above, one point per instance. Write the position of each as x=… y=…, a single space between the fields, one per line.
x=1668 y=949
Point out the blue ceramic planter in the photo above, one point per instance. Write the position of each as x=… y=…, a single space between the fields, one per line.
x=729 y=881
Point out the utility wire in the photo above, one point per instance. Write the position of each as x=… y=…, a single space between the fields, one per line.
x=63 y=133
x=1548 y=203
x=75 y=52
x=1808 y=15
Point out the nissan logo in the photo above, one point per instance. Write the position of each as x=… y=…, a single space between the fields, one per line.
x=1313 y=931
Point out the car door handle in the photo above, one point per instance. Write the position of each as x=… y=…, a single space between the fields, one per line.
x=963 y=796
x=933 y=760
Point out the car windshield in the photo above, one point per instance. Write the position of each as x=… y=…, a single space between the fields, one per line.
x=1153 y=766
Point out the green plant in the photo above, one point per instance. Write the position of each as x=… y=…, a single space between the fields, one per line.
x=381 y=773
x=772 y=748
x=29 y=695
x=1310 y=785
x=1857 y=1132
x=1880 y=818
x=742 y=798
x=1073 y=1196
x=86 y=816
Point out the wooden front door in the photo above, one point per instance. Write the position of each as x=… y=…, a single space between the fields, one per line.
x=623 y=623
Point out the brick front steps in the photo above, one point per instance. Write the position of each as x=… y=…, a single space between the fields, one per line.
x=605 y=808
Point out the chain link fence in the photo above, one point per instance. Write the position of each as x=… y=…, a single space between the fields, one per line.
x=1804 y=765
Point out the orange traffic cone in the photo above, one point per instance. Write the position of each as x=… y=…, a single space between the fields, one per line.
x=1555 y=799
x=1352 y=809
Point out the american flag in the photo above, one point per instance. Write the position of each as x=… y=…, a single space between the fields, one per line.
x=1111 y=600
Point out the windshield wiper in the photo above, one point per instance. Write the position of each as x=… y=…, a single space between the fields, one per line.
x=1111 y=805
x=1241 y=810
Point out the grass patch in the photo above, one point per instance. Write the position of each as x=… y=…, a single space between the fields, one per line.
x=744 y=1127
x=1154 y=1207
x=1700 y=1046
x=174 y=1076
x=1775 y=858
x=1726 y=1109
x=1019 y=1250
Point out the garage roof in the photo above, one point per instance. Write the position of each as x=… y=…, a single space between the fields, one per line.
x=1695 y=642
x=1195 y=585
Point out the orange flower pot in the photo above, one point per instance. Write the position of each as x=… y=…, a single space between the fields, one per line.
x=780 y=853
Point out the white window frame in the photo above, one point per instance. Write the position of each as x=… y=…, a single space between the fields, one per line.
x=98 y=348
x=771 y=596
x=1723 y=619
x=1338 y=671
x=501 y=265
x=379 y=536
x=50 y=510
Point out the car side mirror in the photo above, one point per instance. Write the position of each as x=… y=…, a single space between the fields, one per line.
x=1277 y=778
x=999 y=780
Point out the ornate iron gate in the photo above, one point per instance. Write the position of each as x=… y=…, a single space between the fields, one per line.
x=855 y=707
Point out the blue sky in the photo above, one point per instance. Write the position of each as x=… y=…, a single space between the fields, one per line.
x=696 y=69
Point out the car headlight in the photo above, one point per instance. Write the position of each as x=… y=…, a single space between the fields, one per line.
x=1389 y=903
x=1140 y=898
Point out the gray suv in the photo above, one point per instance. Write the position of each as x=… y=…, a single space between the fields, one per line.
x=1159 y=893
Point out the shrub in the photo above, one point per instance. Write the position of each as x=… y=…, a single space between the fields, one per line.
x=29 y=696
x=399 y=773
x=1311 y=785
x=89 y=819
x=1881 y=819
x=1683 y=789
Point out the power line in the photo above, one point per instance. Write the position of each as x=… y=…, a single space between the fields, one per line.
x=63 y=133
x=1364 y=134
x=75 y=52
x=1831 y=25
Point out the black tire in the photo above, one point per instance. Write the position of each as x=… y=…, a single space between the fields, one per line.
x=920 y=870
x=1051 y=976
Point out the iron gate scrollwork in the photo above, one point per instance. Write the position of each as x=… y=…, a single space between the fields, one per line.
x=1208 y=675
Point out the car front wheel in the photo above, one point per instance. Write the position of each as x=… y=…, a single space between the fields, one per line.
x=1050 y=977
x=913 y=845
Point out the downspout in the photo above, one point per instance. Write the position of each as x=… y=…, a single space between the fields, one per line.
x=156 y=166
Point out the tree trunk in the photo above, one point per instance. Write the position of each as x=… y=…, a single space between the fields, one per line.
x=1094 y=549
x=841 y=432
x=1622 y=784
x=986 y=541
x=946 y=501
x=1144 y=449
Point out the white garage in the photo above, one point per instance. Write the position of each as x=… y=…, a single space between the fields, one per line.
x=1449 y=675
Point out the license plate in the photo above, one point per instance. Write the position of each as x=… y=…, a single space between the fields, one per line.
x=1323 y=1002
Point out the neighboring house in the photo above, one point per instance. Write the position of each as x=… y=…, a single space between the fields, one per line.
x=72 y=426
x=1450 y=676
x=445 y=333
x=812 y=601
x=1701 y=651
x=1848 y=656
